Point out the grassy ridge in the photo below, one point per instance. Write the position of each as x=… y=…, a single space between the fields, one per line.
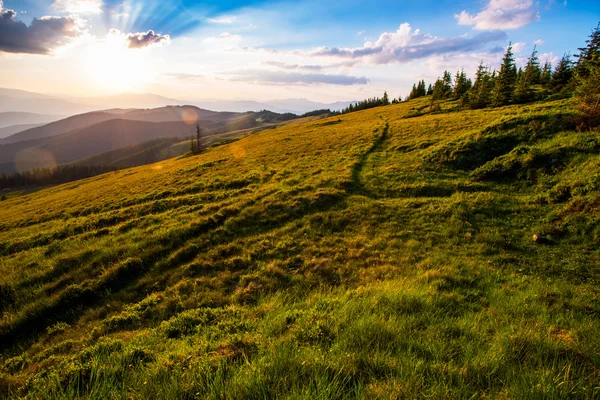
x=379 y=254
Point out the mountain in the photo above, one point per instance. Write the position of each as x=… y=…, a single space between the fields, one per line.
x=164 y=114
x=11 y=130
x=25 y=118
x=103 y=137
x=83 y=136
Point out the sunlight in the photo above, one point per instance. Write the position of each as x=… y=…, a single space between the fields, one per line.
x=114 y=67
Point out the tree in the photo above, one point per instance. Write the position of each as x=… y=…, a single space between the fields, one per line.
x=524 y=92
x=199 y=145
x=461 y=85
x=479 y=95
x=587 y=54
x=421 y=91
x=430 y=90
x=587 y=79
x=447 y=85
x=413 y=93
x=562 y=74
x=587 y=93
x=546 y=76
x=505 y=82
x=533 y=69
x=386 y=99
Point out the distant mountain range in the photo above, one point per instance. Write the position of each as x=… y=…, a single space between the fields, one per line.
x=87 y=135
x=12 y=100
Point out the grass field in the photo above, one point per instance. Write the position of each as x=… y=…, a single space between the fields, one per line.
x=380 y=254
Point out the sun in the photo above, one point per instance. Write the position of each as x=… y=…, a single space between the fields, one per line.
x=114 y=67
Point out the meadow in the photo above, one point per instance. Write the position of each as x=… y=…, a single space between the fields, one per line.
x=379 y=254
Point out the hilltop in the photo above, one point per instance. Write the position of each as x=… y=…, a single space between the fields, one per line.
x=385 y=253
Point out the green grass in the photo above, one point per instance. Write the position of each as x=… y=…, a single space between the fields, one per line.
x=380 y=254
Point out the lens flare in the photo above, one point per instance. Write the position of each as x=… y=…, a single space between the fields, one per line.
x=189 y=116
x=237 y=151
x=34 y=158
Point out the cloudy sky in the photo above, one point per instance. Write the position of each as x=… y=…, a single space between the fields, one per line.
x=321 y=50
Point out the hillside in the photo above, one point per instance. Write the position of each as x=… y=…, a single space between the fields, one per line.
x=208 y=119
x=24 y=118
x=11 y=130
x=386 y=253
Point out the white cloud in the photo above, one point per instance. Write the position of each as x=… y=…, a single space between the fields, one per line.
x=137 y=40
x=42 y=36
x=406 y=45
x=229 y=36
x=222 y=20
x=79 y=6
x=501 y=14
x=539 y=42
x=295 y=78
x=518 y=47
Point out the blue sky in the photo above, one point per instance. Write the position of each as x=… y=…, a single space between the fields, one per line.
x=322 y=50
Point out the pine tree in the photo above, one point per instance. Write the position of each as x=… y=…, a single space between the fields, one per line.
x=199 y=145
x=587 y=79
x=533 y=69
x=430 y=90
x=447 y=85
x=546 y=76
x=421 y=91
x=524 y=92
x=413 y=92
x=385 y=101
x=461 y=85
x=505 y=82
x=562 y=74
x=587 y=54
x=479 y=95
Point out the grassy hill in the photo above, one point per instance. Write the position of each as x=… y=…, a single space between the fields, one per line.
x=381 y=254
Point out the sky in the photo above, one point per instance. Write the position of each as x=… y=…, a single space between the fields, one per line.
x=321 y=50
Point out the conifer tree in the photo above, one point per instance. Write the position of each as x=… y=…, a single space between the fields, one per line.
x=587 y=79
x=505 y=82
x=479 y=95
x=386 y=99
x=546 y=76
x=199 y=145
x=413 y=93
x=562 y=74
x=461 y=85
x=430 y=90
x=587 y=54
x=447 y=85
x=533 y=69
x=421 y=91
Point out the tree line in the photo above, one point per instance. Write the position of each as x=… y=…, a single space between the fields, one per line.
x=512 y=85
x=48 y=176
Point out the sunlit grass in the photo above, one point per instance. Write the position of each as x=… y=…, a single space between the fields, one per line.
x=379 y=254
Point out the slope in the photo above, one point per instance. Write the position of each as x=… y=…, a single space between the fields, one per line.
x=376 y=254
x=12 y=129
x=24 y=118
x=163 y=114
